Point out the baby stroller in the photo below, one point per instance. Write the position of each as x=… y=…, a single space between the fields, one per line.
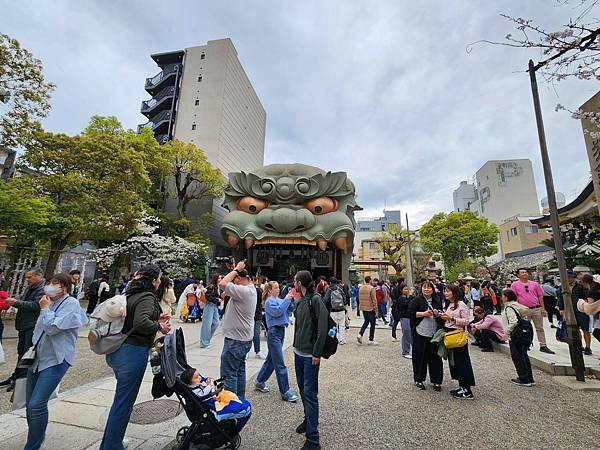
x=191 y=309
x=204 y=432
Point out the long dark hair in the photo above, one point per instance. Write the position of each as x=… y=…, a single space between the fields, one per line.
x=305 y=279
x=457 y=295
x=143 y=281
x=165 y=281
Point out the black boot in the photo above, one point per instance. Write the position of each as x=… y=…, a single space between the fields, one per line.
x=301 y=429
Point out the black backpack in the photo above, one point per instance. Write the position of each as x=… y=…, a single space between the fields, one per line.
x=331 y=342
x=522 y=333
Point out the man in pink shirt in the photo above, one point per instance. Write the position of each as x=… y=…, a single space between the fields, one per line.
x=530 y=294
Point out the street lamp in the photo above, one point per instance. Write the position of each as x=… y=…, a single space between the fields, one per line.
x=574 y=338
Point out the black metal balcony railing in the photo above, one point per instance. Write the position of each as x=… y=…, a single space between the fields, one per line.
x=154 y=81
x=150 y=105
x=156 y=121
x=162 y=138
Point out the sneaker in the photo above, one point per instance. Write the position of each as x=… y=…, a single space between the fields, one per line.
x=407 y=356
x=519 y=382
x=545 y=349
x=463 y=393
x=420 y=385
x=290 y=397
x=261 y=387
x=301 y=429
x=310 y=445
x=342 y=342
x=261 y=355
x=587 y=351
x=437 y=387
x=456 y=391
x=372 y=343
x=532 y=382
x=359 y=339
x=207 y=346
x=394 y=339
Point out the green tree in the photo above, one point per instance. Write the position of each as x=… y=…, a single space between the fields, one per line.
x=193 y=177
x=24 y=95
x=21 y=207
x=392 y=243
x=96 y=183
x=459 y=236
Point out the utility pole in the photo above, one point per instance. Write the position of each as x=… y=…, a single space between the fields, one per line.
x=574 y=337
x=409 y=266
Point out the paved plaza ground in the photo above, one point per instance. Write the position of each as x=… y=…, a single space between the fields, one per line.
x=368 y=401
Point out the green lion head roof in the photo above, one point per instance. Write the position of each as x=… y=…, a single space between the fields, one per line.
x=290 y=202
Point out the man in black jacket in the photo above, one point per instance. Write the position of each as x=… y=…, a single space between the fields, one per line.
x=28 y=310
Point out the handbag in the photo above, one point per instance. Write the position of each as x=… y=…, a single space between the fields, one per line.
x=455 y=339
x=28 y=357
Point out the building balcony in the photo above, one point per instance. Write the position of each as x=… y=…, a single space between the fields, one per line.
x=159 y=124
x=162 y=139
x=160 y=102
x=163 y=78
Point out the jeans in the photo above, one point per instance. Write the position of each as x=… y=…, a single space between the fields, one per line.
x=369 y=319
x=394 y=322
x=274 y=361
x=382 y=308
x=129 y=364
x=535 y=315
x=307 y=377
x=24 y=343
x=520 y=359
x=353 y=302
x=256 y=339
x=210 y=323
x=339 y=317
x=40 y=386
x=233 y=365
x=406 y=335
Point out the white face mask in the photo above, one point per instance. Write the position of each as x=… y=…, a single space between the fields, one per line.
x=52 y=290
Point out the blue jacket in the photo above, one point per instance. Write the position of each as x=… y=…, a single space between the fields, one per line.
x=276 y=311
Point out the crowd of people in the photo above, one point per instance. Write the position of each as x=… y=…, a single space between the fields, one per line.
x=438 y=323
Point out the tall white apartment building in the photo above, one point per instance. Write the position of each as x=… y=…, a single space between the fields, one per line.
x=464 y=196
x=203 y=96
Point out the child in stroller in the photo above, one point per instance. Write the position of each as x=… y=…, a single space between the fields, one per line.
x=190 y=312
x=224 y=404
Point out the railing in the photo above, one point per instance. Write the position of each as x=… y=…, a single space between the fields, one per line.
x=162 y=139
x=156 y=120
x=171 y=68
x=166 y=92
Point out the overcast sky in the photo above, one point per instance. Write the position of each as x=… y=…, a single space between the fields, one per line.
x=384 y=90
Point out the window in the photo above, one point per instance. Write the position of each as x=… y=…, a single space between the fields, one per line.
x=531 y=229
x=513 y=231
x=199 y=78
x=202 y=56
x=372 y=245
x=508 y=235
x=193 y=126
x=197 y=102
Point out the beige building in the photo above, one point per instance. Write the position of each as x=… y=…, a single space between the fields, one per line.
x=203 y=96
x=518 y=234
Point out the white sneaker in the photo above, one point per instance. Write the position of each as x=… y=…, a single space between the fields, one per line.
x=372 y=343
x=261 y=355
x=407 y=356
x=359 y=339
x=394 y=340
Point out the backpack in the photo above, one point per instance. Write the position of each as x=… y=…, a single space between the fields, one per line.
x=522 y=333
x=106 y=337
x=331 y=342
x=337 y=300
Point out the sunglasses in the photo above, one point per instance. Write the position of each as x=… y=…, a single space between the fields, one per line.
x=527 y=288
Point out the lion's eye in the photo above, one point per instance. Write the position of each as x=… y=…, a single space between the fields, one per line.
x=251 y=205
x=321 y=205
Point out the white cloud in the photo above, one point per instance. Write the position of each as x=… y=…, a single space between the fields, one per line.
x=384 y=90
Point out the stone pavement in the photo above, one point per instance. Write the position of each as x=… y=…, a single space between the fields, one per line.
x=78 y=416
x=558 y=364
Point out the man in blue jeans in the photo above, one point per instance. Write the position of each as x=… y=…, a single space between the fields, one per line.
x=308 y=348
x=367 y=303
x=238 y=327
